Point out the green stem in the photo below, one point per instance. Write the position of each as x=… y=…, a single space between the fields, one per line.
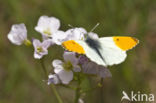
x=44 y=68
x=77 y=95
x=77 y=92
x=101 y=91
x=52 y=86
x=56 y=93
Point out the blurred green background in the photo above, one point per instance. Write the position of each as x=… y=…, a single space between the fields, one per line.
x=21 y=76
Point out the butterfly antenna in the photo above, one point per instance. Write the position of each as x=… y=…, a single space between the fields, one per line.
x=94 y=27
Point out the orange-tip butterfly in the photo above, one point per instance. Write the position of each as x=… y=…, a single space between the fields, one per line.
x=103 y=51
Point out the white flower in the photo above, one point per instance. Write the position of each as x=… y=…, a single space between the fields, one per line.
x=53 y=78
x=65 y=76
x=79 y=34
x=47 y=26
x=65 y=69
x=59 y=37
x=71 y=34
x=18 y=34
x=70 y=58
x=76 y=34
x=40 y=49
x=93 y=35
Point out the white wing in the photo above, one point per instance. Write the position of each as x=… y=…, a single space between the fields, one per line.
x=109 y=51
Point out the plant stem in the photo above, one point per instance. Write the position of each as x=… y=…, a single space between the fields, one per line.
x=44 y=68
x=77 y=95
x=101 y=91
x=77 y=92
x=52 y=86
x=56 y=93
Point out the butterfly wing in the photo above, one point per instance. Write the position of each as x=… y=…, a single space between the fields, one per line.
x=73 y=46
x=125 y=42
x=110 y=52
x=112 y=49
x=81 y=47
x=91 y=53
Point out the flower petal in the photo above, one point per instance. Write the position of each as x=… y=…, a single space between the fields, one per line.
x=104 y=72
x=47 y=43
x=76 y=34
x=45 y=23
x=65 y=76
x=77 y=68
x=53 y=78
x=36 y=43
x=58 y=69
x=59 y=37
x=57 y=62
x=93 y=68
x=90 y=68
x=40 y=49
x=70 y=56
x=18 y=34
x=93 y=35
x=83 y=59
x=37 y=55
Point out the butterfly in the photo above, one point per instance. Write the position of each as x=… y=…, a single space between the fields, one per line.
x=105 y=51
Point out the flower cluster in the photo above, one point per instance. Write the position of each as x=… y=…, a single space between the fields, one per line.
x=64 y=70
x=49 y=28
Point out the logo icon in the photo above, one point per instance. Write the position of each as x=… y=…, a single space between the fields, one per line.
x=125 y=96
x=142 y=97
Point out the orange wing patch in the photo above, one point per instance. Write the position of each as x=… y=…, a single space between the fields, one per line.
x=125 y=43
x=73 y=46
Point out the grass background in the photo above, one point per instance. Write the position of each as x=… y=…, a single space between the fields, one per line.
x=21 y=76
